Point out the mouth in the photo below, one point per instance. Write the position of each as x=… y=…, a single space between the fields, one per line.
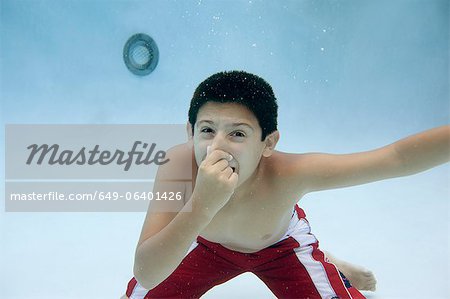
x=235 y=167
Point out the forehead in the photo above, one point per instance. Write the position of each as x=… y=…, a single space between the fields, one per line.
x=226 y=112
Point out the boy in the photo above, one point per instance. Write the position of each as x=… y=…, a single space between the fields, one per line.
x=244 y=213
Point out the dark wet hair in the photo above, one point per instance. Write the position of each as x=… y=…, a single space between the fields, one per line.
x=242 y=88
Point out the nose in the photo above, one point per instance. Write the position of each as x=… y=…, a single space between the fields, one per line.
x=219 y=142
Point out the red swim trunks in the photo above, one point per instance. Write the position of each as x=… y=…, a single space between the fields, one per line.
x=294 y=267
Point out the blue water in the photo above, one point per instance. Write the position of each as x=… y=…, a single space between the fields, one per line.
x=349 y=76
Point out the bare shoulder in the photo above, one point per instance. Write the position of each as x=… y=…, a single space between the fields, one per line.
x=285 y=165
x=179 y=173
x=179 y=164
x=172 y=177
x=285 y=170
x=181 y=148
x=181 y=151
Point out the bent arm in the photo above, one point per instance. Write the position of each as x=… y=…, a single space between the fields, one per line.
x=167 y=236
x=407 y=156
x=158 y=256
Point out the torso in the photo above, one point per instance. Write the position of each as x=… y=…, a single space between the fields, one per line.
x=249 y=226
x=260 y=218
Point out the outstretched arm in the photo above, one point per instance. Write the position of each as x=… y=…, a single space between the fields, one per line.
x=407 y=156
x=424 y=150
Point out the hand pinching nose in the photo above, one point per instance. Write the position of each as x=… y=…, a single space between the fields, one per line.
x=208 y=151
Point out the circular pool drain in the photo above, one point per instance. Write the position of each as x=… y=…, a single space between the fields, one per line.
x=140 y=54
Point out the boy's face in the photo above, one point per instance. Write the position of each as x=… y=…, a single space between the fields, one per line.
x=232 y=128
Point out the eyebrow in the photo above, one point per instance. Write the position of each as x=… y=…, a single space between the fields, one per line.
x=231 y=125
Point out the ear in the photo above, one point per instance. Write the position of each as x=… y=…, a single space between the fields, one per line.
x=270 y=142
x=189 y=130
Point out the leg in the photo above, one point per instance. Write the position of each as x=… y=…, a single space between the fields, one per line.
x=200 y=270
x=359 y=277
x=302 y=273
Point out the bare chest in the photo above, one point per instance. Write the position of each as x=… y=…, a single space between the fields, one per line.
x=254 y=222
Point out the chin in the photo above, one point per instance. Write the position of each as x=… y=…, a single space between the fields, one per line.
x=242 y=179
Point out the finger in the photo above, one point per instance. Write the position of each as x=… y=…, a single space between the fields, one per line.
x=227 y=172
x=222 y=154
x=221 y=165
x=234 y=176
x=216 y=156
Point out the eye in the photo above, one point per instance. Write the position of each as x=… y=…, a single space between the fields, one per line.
x=206 y=130
x=238 y=134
